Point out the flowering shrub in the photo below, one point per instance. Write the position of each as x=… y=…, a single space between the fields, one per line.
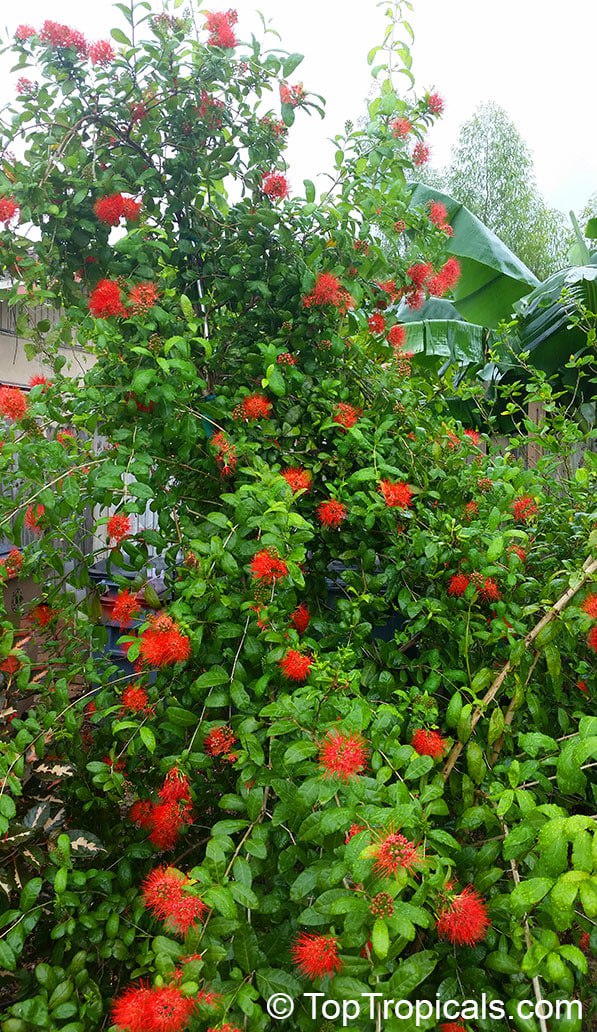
x=349 y=745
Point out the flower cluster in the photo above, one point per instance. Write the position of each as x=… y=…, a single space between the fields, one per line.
x=429 y=743
x=343 y=756
x=162 y=643
x=225 y=453
x=220 y=24
x=296 y=666
x=332 y=513
x=293 y=95
x=316 y=955
x=8 y=209
x=220 y=742
x=13 y=403
x=463 y=919
x=394 y=852
x=165 y=893
x=144 y=1009
x=275 y=186
x=329 y=291
x=438 y=216
x=114 y=207
x=266 y=566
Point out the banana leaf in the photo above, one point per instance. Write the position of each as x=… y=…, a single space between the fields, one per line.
x=493 y=278
x=439 y=331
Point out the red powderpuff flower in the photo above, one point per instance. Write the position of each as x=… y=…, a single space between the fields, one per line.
x=438 y=213
x=163 y=644
x=219 y=25
x=429 y=743
x=401 y=127
x=163 y=1009
x=389 y=287
x=300 y=617
x=13 y=563
x=346 y=415
x=332 y=513
x=352 y=831
x=487 y=588
x=25 y=86
x=396 y=496
x=275 y=185
x=592 y=639
x=376 y=323
x=109 y=209
x=435 y=104
x=421 y=154
x=524 y=508
x=295 y=666
x=8 y=209
x=267 y=566
x=24 y=32
x=394 y=852
x=42 y=614
x=141 y=812
x=298 y=479
x=164 y=893
x=464 y=920
x=125 y=608
x=32 y=516
x=419 y=273
x=13 y=403
x=343 y=756
x=397 y=336
x=134 y=698
x=219 y=741
x=316 y=955
x=446 y=279
x=452 y=1026
x=474 y=436
x=143 y=297
x=104 y=300
x=589 y=606
x=226 y=457
x=328 y=291
x=458 y=584
x=101 y=53
x=176 y=787
x=256 y=406
x=471 y=510
x=293 y=95
x=167 y=819
x=63 y=36
x=39 y=380
x=119 y=527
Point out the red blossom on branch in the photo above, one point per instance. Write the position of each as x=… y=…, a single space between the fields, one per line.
x=296 y=666
x=394 y=852
x=464 y=920
x=298 y=479
x=13 y=403
x=125 y=608
x=396 y=496
x=163 y=644
x=105 y=301
x=346 y=415
x=275 y=186
x=343 y=756
x=119 y=527
x=300 y=617
x=219 y=25
x=316 y=955
x=267 y=566
x=332 y=513
x=429 y=743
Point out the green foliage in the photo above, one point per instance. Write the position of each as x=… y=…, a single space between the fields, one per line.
x=196 y=405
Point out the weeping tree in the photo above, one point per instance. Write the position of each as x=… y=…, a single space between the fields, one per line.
x=348 y=749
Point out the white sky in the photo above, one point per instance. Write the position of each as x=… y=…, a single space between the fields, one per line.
x=533 y=57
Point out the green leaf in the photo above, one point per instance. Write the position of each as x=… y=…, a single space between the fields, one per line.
x=187 y=308
x=148 y=738
x=217 y=675
x=309 y=190
x=527 y=893
x=120 y=37
x=291 y=63
x=29 y=893
x=299 y=751
x=412 y=972
x=221 y=898
x=8 y=960
x=380 y=938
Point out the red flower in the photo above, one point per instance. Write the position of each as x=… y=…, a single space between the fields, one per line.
x=226 y=453
x=163 y=1009
x=524 y=508
x=8 y=209
x=293 y=95
x=267 y=566
x=396 y=496
x=435 y=103
x=397 y=335
x=474 y=436
x=24 y=32
x=32 y=517
x=141 y=812
x=399 y=226
x=167 y=819
x=219 y=741
x=38 y=380
x=176 y=787
x=255 y=406
x=42 y=614
x=592 y=639
x=63 y=36
x=343 y=756
x=420 y=273
x=125 y=608
x=471 y=510
x=300 y=617
x=352 y=831
x=109 y=209
x=105 y=301
x=328 y=291
x=519 y=551
x=26 y=86
x=298 y=479
x=332 y=513
x=13 y=403
x=134 y=698
x=295 y=666
x=458 y=584
x=316 y=955
x=275 y=185
x=219 y=25
x=401 y=127
x=101 y=53
x=446 y=279
x=224 y=1028
x=452 y=1026
x=143 y=297
x=429 y=743
x=438 y=213
x=487 y=588
x=164 y=893
x=589 y=606
x=464 y=920
x=162 y=644
x=346 y=415
x=421 y=154
x=12 y=563
x=119 y=527
x=394 y=853
x=389 y=287
x=376 y=323
x=584 y=943
x=286 y=359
